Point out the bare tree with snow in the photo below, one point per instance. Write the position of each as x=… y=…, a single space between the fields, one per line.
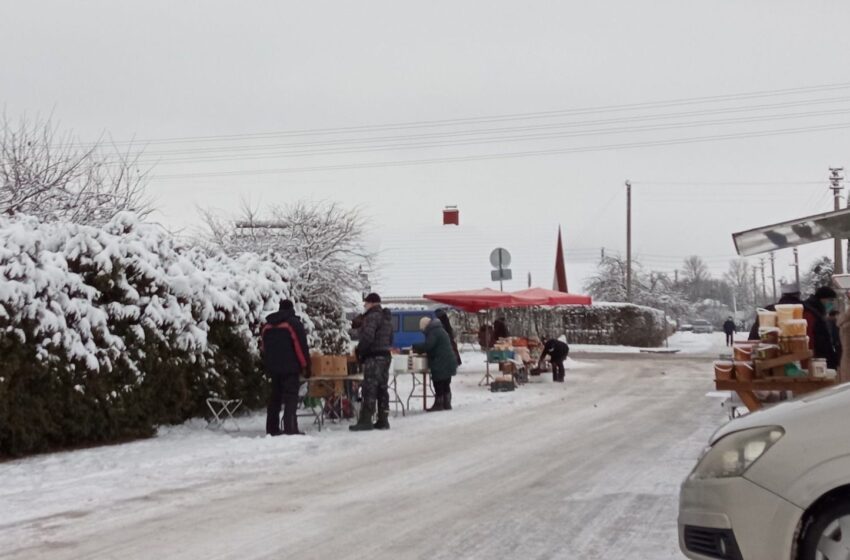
x=50 y=175
x=323 y=243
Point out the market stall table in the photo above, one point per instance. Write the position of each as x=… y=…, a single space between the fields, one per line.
x=746 y=389
x=336 y=389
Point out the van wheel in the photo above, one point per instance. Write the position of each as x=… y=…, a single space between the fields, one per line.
x=828 y=536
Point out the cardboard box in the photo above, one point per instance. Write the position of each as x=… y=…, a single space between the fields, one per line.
x=329 y=366
x=325 y=389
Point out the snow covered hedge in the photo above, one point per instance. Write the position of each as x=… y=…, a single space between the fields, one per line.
x=613 y=324
x=107 y=332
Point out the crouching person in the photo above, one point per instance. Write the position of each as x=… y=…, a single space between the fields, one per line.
x=373 y=351
x=442 y=361
x=557 y=350
x=285 y=351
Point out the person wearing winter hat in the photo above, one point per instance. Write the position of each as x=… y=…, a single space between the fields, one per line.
x=441 y=361
x=375 y=341
x=283 y=343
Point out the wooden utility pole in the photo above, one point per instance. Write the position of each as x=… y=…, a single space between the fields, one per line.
x=763 y=282
x=773 y=273
x=835 y=180
x=796 y=266
x=628 y=241
x=755 y=287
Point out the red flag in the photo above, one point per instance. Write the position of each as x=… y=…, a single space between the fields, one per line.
x=560 y=282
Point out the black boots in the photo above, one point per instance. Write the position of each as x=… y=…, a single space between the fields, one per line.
x=383 y=422
x=364 y=422
x=439 y=404
x=447 y=401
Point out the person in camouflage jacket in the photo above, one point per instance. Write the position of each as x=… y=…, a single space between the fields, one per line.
x=373 y=352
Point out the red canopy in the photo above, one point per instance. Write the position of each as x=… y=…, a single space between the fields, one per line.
x=476 y=300
x=554 y=298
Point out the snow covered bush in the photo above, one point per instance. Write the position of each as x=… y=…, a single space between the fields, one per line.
x=107 y=332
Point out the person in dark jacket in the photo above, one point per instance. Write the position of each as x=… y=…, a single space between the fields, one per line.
x=790 y=296
x=375 y=341
x=730 y=329
x=486 y=338
x=441 y=361
x=447 y=324
x=557 y=350
x=835 y=331
x=285 y=356
x=816 y=310
x=500 y=329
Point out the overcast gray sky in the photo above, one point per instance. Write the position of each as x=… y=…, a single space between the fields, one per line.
x=156 y=70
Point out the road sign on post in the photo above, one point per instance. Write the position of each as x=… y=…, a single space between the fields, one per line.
x=499 y=275
x=501 y=259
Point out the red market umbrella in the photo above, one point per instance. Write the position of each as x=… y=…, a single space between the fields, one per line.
x=477 y=300
x=551 y=297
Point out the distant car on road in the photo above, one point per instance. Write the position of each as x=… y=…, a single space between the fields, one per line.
x=702 y=326
x=773 y=485
x=686 y=328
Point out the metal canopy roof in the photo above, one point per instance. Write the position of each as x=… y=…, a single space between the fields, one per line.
x=829 y=225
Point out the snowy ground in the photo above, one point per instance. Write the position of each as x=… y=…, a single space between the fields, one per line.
x=589 y=469
x=685 y=342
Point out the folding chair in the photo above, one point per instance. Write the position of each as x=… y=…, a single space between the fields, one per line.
x=223 y=410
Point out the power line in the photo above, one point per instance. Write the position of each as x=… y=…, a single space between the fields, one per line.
x=498 y=118
x=485 y=132
x=506 y=155
x=488 y=139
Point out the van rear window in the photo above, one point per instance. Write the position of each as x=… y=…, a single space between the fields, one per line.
x=411 y=322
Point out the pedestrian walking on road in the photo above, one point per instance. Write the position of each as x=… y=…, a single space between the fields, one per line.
x=283 y=343
x=442 y=361
x=730 y=329
x=373 y=350
x=557 y=351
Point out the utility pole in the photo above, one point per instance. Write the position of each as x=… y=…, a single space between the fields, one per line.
x=755 y=287
x=763 y=283
x=602 y=255
x=773 y=273
x=628 y=241
x=676 y=276
x=835 y=180
x=796 y=266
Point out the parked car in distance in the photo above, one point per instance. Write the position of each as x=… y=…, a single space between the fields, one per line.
x=686 y=327
x=702 y=326
x=773 y=485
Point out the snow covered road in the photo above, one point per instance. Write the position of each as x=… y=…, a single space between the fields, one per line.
x=585 y=470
